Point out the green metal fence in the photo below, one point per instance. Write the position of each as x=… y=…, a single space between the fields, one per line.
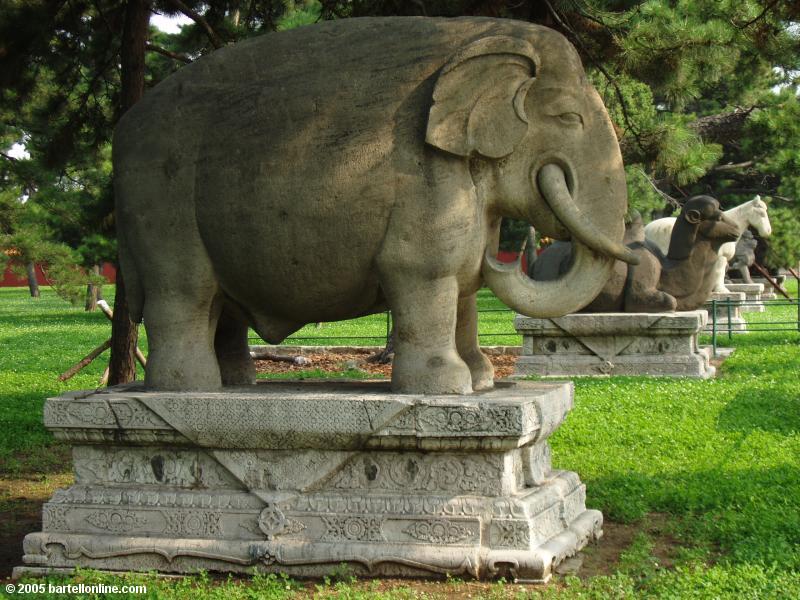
x=496 y=324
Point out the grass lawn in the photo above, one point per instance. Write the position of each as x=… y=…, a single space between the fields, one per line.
x=699 y=481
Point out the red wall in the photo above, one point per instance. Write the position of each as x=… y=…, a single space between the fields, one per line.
x=12 y=280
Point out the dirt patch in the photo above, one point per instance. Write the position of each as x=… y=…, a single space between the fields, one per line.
x=602 y=558
x=335 y=363
x=21 y=512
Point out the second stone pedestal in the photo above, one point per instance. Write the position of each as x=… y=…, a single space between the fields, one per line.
x=663 y=344
x=752 y=295
x=724 y=310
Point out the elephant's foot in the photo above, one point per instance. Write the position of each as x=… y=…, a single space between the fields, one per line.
x=417 y=371
x=237 y=370
x=190 y=372
x=182 y=356
x=481 y=370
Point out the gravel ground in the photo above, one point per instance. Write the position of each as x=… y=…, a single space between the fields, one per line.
x=326 y=361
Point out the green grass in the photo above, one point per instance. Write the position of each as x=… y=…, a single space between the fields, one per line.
x=718 y=462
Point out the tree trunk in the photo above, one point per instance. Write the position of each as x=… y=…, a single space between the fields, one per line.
x=124 y=332
x=92 y=292
x=33 y=285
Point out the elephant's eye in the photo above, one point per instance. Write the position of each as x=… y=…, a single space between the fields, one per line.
x=570 y=118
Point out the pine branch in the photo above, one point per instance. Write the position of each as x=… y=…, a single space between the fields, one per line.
x=168 y=53
x=213 y=37
x=611 y=80
x=763 y=13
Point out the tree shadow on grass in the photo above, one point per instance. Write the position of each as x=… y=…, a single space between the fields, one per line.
x=741 y=515
x=762 y=409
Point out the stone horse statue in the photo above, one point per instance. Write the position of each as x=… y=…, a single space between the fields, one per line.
x=681 y=280
x=743 y=257
x=750 y=214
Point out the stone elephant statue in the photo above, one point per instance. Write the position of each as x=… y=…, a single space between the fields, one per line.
x=681 y=280
x=392 y=146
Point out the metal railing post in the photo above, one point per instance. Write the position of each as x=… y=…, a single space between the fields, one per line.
x=730 y=325
x=714 y=326
x=797 y=293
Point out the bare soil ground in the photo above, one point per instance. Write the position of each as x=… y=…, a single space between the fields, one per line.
x=332 y=362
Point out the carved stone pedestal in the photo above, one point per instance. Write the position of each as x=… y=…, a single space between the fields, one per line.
x=301 y=477
x=728 y=313
x=769 y=291
x=752 y=295
x=659 y=344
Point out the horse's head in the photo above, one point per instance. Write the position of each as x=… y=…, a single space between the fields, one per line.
x=757 y=217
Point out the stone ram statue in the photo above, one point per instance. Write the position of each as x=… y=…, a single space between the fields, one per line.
x=393 y=146
x=681 y=280
x=750 y=214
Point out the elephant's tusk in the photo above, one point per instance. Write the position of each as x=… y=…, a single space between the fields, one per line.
x=553 y=185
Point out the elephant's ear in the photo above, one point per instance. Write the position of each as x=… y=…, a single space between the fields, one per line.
x=479 y=98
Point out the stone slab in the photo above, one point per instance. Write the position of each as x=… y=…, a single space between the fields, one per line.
x=301 y=477
x=310 y=415
x=590 y=344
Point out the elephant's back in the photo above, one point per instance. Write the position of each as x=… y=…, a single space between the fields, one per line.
x=337 y=75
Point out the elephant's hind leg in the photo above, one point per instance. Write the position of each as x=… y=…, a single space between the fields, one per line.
x=233 y=353
x=480 y=367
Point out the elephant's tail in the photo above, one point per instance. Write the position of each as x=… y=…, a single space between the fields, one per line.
x=133 y=285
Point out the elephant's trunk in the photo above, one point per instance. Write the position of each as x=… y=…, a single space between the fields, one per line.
x=594 y=256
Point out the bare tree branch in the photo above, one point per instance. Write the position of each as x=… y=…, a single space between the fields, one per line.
x=168 y=53
x=753 y=190
x=734 y=166
x=213 y=37
x=672 y=201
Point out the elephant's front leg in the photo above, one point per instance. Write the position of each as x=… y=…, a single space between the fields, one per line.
x=426 y=360
x=480 y=367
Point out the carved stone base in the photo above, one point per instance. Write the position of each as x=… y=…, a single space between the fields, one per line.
x=728 y=313
x=659 y=344
x=752 y=295
x=301 y=477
